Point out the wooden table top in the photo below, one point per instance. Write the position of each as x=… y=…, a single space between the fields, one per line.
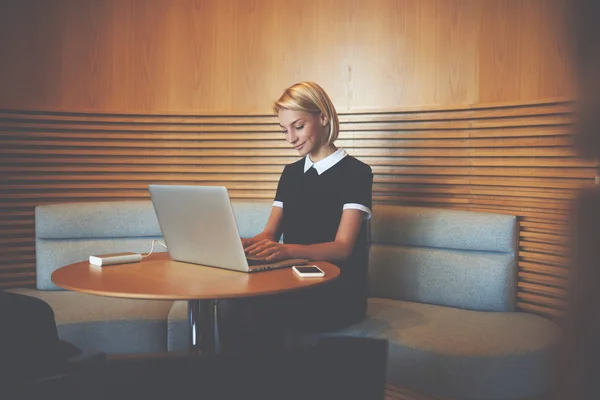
x=159 y=278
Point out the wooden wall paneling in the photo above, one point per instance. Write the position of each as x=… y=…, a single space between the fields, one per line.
x=236 y=56
x=523 y=51
x=508 y=158
x=31 y=59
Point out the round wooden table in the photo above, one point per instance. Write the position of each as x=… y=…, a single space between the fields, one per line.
x=160 y=278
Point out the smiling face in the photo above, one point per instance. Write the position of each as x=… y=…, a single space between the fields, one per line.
x=303 y=130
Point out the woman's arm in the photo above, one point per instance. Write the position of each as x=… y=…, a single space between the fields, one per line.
x=338 y=250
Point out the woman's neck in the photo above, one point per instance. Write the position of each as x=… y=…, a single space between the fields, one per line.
x=322 y=152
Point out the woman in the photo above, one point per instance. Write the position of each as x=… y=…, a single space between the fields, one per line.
x=320 y=208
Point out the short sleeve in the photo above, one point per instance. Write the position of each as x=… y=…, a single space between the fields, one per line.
x=282 y=191
x=359 y=191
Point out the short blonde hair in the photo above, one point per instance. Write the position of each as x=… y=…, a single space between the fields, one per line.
x=310 y=97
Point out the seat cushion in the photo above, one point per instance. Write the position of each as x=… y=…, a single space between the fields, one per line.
x=104 y=324
x=449 y=352
x=178 y=338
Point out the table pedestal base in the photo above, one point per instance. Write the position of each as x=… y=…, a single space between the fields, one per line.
x=201 y=316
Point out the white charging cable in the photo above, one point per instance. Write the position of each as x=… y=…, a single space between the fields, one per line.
x=152 y=248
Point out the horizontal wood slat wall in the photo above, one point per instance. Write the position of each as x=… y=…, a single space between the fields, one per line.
x=507 y=158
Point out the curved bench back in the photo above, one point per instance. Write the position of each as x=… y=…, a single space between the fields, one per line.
x=453 y=258
x=456 y=258
x=71 y=232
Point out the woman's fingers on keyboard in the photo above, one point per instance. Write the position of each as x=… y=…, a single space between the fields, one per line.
x=266 y=252
x=274 y=251
x=248 y=247
x=257 y=247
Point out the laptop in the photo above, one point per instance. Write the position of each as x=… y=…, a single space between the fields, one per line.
x=199 y=227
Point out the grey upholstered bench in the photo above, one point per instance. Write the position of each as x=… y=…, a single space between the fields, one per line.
x=442 y=291
x=71 y=232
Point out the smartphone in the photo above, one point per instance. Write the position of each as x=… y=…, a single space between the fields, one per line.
x=308 y=271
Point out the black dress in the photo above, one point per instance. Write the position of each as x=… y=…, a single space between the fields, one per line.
x=312 y=209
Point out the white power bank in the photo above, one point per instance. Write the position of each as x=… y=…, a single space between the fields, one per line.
x=117 y=258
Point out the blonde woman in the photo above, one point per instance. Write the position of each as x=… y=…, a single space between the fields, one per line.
x=320 y=209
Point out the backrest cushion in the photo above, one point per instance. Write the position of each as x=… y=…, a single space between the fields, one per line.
x=251 y=216
x=71 y=232
x=454 y=258
x=442 y=228
x=447 y=257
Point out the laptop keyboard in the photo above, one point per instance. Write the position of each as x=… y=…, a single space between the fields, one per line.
x=256 y=261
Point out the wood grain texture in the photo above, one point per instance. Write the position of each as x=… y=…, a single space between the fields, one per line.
x=520 y=163
x=523 y=49
x=160 y=278
x=236 y=56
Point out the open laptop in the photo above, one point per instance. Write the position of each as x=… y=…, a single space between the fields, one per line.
x=199 y=227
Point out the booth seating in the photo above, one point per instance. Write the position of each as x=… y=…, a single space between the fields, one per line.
x=442 y=291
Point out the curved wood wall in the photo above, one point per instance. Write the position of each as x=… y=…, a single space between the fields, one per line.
x=236 y=56
x=507 y=158
x=145 y=91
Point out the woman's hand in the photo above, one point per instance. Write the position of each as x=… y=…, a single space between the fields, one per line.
x=269 y=250
x=247 y=242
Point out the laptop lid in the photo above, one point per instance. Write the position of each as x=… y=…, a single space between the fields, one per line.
x=198 y=225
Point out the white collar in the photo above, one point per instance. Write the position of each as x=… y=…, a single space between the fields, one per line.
x=326 y=163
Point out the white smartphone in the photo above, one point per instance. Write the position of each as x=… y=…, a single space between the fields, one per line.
x=308 y=271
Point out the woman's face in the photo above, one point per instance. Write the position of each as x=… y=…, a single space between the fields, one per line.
x=303 y=130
